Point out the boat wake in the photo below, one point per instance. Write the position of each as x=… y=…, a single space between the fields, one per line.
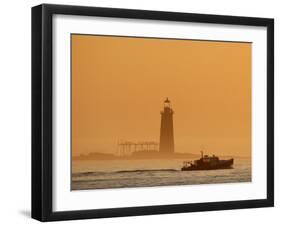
x=99 y=173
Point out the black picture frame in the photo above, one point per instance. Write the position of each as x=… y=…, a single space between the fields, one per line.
x=42 y=106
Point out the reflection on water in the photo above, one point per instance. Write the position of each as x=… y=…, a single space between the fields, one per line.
x=146 y=173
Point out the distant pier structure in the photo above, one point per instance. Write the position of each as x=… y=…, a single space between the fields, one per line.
x=167 y=129
x=128 y=147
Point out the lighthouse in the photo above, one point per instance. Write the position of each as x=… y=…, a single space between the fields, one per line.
x=166 y=129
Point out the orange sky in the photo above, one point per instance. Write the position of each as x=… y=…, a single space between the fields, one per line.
x=119 y=85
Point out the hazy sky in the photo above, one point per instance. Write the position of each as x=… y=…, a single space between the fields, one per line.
x=119 y=85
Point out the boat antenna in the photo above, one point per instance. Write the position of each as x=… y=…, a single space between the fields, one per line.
x=201 y=154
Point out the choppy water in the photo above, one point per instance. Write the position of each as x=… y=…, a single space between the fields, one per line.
x=147 y=173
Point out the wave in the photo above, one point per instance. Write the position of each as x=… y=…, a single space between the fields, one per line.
x=145 y=170
x=97 y=173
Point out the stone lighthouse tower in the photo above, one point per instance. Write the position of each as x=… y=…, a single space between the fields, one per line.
x=167 y=130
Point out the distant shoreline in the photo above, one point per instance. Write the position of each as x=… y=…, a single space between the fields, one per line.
x=144 y=156
x=135 y=156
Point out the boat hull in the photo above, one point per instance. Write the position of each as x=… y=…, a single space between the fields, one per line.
x=222 y=164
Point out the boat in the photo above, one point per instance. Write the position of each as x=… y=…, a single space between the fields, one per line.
x=207 y=162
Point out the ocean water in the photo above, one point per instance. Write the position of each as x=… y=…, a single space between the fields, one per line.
x=102 y=174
